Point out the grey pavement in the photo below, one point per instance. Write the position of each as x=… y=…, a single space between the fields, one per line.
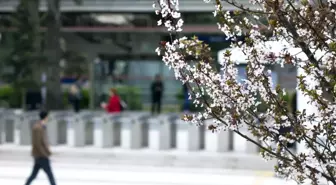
x=144 y=157
x=81 y=173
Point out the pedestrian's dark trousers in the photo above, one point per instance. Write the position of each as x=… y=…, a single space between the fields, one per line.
x=44 y=164
x=76 y=105
x=156 y=106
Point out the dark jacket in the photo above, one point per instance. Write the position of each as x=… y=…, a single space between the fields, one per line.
x=157 y=90
x=186 y=102
x=74 y=99
x=40 y=146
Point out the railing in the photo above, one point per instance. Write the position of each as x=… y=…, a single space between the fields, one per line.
x=128 y=130
x=123 y=6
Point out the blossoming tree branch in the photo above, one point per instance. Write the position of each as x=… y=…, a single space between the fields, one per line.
x=277 y=32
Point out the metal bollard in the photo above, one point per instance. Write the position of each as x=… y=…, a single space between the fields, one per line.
x=52 y=130
x=23 y=129
x=2 y=128
x=188 y=137
x=56 y=127
x=251 y=148
x=107 y=131
x=161 y=132
x=133 y=131
x=156 y=132
x=75 y=131
x=99 y=137
x=242 y=145
x=8 y=126
x=88 y=122
x=217 y=141
x=80 y=129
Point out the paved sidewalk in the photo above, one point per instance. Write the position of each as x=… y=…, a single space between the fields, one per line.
x=82 y=173
x=144 y=157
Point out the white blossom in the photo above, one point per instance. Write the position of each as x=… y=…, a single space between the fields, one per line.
x=298 y=34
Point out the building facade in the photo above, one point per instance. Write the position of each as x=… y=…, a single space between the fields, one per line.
x=118 y=39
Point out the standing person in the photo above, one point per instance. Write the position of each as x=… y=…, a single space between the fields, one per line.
x=186 y=101
x=40 y=150
x=75 y=97
x=114 y=103
x=157 y=92
x=78 y=82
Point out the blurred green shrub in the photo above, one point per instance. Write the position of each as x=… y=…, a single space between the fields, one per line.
x=10 y=97
x=84 y=102
x=131 y=95
x=289 y=98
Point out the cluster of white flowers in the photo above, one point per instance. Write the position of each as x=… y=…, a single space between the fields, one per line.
x=171 y=18
x=297 y=39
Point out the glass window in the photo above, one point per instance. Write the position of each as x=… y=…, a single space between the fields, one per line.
x=108 y=19
x=172 y=86
x=141 y=74
x=198 y=18
x=144 y=68
x=242 y=75
x=274 y=79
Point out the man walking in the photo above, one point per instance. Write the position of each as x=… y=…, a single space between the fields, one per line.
x=157 y=91
x=40 y=150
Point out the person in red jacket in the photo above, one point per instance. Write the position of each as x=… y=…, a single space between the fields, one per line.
x=114 y=103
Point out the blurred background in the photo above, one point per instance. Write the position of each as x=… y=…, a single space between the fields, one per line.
x=46 y=47
x=111 y=44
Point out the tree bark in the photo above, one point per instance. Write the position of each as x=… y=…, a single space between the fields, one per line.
x=54 y=100
x=26 y=60
x=34 y=21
